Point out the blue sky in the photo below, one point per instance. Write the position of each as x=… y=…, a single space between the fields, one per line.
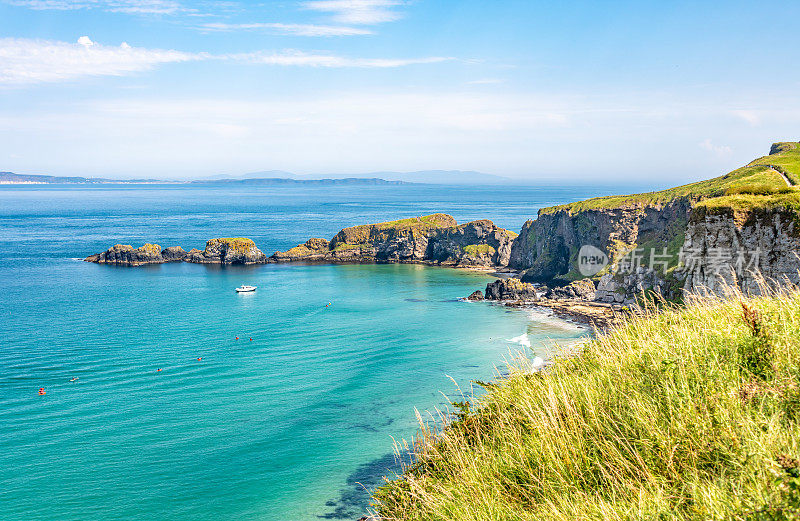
x=660 y=92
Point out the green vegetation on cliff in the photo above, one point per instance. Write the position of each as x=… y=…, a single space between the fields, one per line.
x=237 y=244
x=364 y=234
x=479 y=249
x=758 y=177
x=784 y=157
x=692 y=413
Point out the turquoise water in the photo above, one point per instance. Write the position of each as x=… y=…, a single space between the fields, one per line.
x=287 y=425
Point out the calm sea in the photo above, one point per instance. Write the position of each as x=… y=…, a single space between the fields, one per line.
x=293 y=424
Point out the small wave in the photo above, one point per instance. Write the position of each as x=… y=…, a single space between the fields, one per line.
x=546 y=317
x=522 y=340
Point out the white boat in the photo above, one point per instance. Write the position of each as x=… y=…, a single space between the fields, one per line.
x=245 y=289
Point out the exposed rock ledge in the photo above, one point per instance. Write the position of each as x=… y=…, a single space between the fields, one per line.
x=575 y=301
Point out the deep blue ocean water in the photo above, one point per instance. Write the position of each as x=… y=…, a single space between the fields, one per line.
x=288 y=425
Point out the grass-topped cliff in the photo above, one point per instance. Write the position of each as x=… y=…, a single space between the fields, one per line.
x=689 y=414
x=650 y=222
x=435 y=239
x=761 y=176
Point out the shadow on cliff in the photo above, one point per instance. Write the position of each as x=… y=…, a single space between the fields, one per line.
x=354 y=498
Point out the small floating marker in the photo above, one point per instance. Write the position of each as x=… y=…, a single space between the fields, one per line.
x=42 y=392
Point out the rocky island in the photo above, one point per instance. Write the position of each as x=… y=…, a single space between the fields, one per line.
x=237 y=250
x=432 y=239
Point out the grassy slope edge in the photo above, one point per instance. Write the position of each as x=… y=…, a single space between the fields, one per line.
x=692 y=413
x=756 y=182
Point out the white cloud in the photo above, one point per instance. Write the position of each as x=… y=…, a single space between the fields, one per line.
x=300 y=58
x=295 y=29
x=25 y=61
x=486 y=81
x=35 y=61
x=120 y=6
x=750 y=116
x=720 y=150
x=358 y=12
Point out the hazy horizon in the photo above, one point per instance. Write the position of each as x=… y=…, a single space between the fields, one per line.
x=525 y=90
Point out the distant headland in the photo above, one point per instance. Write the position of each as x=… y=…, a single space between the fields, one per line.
x=279 y=178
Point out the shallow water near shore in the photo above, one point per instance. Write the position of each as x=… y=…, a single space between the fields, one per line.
x=287 y=425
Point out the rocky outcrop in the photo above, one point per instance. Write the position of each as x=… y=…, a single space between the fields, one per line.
x=725 y=247
x=217 y=251
x=477 y=243
x=312 y=250
x=579 y=290
x=435 y=239
x=511 y=289
x=476 y=295
x=127 y=255
x=237 y=250
x=173 y=254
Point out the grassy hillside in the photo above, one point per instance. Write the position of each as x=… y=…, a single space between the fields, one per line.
x=784 y=157
x=689 y=414
x=758 y=177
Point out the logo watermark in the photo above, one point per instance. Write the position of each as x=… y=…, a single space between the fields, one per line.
x=591 y=260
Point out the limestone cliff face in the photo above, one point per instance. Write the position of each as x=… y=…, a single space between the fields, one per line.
x=435 y=239
x=238 y=250
x=547 y=248
x=728 y=247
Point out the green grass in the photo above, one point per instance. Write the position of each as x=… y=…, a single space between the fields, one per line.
x=787 y=160
x=479 y=249
x=691 y=413
x=748 y=202
x=435 y=220
x=238 y=244
x=759 y=176
x=753 y=178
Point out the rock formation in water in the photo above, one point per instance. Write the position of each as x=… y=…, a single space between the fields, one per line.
x=511 y=289
x=127 y=255
x=435 y=239
x=237 y=250
x=218 y=251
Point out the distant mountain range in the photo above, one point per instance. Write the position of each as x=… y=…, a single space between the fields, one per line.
x=280 y=177
x=284 y=181
x=444 y=177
